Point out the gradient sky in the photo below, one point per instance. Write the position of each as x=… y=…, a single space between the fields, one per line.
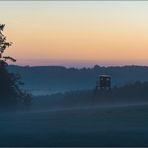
x=76 y=33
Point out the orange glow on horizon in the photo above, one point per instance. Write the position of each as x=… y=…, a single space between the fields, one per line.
x=110 y=31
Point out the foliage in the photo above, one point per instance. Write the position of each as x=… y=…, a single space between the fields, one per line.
x=10 y=93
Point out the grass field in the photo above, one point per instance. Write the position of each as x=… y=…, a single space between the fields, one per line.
x=125 y=125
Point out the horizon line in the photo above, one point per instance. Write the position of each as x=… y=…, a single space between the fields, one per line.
x=93 y=66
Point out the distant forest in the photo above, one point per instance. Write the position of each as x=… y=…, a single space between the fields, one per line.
x=130 y=93
x=58 y=78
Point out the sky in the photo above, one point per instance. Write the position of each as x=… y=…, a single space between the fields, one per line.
x=76 y=33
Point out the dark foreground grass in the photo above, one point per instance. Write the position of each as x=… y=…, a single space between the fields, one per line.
x=92 y=126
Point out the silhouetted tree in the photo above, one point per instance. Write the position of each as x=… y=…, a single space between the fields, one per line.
x=10 y=93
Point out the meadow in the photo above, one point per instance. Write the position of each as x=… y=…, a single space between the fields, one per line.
x=108 y=125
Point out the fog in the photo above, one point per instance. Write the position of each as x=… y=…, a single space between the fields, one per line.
x=122 y=124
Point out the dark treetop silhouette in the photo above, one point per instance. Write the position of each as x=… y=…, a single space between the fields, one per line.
x=10 y=94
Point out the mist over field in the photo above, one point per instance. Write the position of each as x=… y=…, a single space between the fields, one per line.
x=79 y=117
x=124 y=125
